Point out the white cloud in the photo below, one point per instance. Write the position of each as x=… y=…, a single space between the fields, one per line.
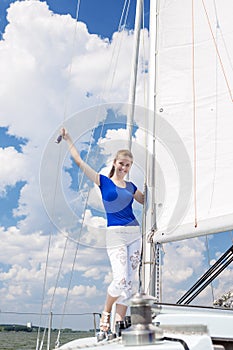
x=48 y=75
x=184 y=263
x=80 y=291
x=13 y=165
x=23 y=269
x=92 y=272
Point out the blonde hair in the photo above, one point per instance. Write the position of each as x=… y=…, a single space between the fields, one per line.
x=120 y=153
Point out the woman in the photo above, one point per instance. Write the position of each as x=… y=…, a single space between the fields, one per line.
x=123 y=237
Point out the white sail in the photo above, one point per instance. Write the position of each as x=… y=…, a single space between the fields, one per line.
x=194 y=124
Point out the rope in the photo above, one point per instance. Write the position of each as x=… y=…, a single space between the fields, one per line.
x=181 y=341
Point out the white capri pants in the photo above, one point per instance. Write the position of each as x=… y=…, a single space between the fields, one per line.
x=124 y=244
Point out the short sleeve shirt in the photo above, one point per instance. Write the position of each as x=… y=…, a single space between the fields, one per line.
x=118 y=202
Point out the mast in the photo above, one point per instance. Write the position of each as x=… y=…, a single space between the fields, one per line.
x=151 y=271
x=149 y=283
x=134 y=68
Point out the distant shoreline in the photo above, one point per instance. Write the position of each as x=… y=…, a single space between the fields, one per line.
x=23 y=328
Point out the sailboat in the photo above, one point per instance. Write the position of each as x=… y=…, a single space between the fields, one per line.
x=188 y=166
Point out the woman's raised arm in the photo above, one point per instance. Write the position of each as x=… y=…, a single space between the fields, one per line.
x=91 y=173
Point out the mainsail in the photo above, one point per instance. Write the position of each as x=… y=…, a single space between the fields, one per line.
x=192 y=99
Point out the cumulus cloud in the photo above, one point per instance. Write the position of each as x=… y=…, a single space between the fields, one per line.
x=13 y=166
x=183 y=264
x=23 y=269
x=81 y=291
x=49 y=74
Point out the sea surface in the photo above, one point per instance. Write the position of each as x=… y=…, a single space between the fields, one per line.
x=27 y=340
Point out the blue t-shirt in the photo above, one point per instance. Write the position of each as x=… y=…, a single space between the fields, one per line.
x=118 y=202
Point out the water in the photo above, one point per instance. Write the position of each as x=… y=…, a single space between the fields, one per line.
x=27 y=340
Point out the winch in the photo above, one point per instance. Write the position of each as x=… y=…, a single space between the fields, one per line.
x=141 y=331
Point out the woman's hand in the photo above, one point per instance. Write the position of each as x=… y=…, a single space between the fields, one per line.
x=64 y=134
x=92 y=174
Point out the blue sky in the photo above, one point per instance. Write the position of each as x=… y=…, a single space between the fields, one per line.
x=37 y=93
x=98 y=15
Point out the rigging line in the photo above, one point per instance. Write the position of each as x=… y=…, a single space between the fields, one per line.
x=208 y=256
x=194 y=121
x=44 y=314
x=58 y=275
x=122 y=15
x=71 y=60
x=121 y=28
x=56 y=181
x=83 y=218
x=83 y=175
x=101 y=133
x=48 y=248
x=43 y=338
x=72 y=270
x=134 y=71
x=68 y=289
x=108 y=85
x=83 y=215
x=217 y=51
